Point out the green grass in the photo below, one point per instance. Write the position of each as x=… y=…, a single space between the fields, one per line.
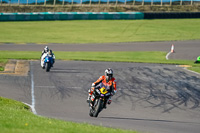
x=195 y=68
x=2 y=63
x=16 y=117
x=99 y=31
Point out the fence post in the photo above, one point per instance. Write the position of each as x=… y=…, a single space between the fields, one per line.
x=161 y=3
x=72 y=3
x=54 y=2
x=124 y=2
x=36 y=2
x=142 y=2
x=191 y=2
x=63 y=3
x=27 y=2
x=151 y=2
x=181 y=2
x=170 y=2
x=133 y=2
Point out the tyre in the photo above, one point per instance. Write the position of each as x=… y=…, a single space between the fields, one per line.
x=91 y=112
x=48 y=67
x=98 y=108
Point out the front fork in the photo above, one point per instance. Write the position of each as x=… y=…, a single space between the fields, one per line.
x=92 y=104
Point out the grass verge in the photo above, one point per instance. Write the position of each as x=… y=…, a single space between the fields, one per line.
x=195 y=68
x=142 y=57
x=2 y=63
x=17 y=118
x=99 y=31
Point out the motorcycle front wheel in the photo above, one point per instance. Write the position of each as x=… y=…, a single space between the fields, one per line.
x=98 y=107
x=48 y=67
x=91 y=112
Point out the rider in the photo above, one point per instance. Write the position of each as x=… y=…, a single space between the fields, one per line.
x=107 y=79
x=42 y=59
x=46 y=49
x=52 y=55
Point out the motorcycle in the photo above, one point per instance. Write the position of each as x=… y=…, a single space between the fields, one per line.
x=101 y=95
x=47 y=63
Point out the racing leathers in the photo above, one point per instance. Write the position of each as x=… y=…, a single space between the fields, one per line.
x=43 y=52
x=42 y=59
x=102 y=79
x=51 y=54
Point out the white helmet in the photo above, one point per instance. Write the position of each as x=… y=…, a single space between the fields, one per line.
x=109 y=74
x=46 y=49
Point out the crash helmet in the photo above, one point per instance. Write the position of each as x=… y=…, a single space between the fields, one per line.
x=108 y=74
x=46 y=49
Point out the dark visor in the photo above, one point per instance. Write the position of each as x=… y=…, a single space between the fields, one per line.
x=110 y=75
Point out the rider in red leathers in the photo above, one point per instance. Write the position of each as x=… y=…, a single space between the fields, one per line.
x=106 y=79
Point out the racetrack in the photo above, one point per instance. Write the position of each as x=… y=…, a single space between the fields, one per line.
x=151 y=97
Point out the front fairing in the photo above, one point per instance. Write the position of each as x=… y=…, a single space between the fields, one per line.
x=103 y=90
x=48 y=59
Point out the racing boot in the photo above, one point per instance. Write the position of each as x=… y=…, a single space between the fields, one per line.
x=90 y=91
x=88 y=99
x=109 y=100
x=43 y=67
x=92 y=100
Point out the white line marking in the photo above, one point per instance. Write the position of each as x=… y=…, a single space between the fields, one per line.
x=184 y=67
x=33 y=110
x=32 y=92
x=189 y=70
x=168 y=55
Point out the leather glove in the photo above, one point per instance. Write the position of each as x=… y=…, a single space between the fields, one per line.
x=113 y=93
x=93 y=85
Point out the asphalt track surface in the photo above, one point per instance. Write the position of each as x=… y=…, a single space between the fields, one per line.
x=151 y=98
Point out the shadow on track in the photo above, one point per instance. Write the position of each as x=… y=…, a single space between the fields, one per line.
x=153 y=120
x=160 y=88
